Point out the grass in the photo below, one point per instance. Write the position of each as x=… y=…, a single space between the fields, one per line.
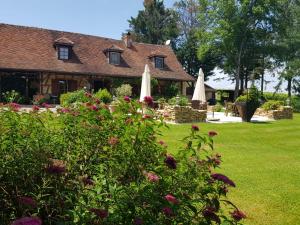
x=264 y=161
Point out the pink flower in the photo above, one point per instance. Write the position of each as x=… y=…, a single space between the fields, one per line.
x=148 y=100
x=45 y=105
x=97 y=101
x=102 y=213
x=94 y=108
x=168 y=211
x=14 y=106
x=170 y=198
x=152 y=177
x=35 y=108
x=195 y=128
x=146 y=116
x=161 y=142
x=212 y=133
x=113 y=140
x=138 y=221
x=209 y=213
x=28 y=201
x=126 y=99
x=171 y=162
x=65 y=110
x=238 y=215
x=28 y=221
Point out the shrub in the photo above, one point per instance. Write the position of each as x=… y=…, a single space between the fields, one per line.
x=251 y=98
x=218 y=107
x=182 y=101
x=12 y=96
x=123 y=90
x=85 y=165
x=272 y=105
x=104 y=96
x=295 y=100
x=171 y=91
x=69 y=98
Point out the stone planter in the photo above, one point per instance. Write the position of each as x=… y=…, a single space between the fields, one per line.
x=246 y=110
x=285 y=112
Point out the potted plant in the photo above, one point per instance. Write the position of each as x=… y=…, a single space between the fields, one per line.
x=247 y=104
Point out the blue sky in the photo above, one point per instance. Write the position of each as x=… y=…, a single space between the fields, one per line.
x=106 y=18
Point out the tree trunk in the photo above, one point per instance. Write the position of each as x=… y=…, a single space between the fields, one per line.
x=238 y=70
x=289 y=87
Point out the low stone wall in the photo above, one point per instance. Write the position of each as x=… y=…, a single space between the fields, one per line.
x=285 y=113
x=183 y=114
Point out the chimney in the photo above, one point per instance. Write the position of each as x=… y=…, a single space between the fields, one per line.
x=128 y=40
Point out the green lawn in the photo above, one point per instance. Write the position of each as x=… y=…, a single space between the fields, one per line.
x=264 y=161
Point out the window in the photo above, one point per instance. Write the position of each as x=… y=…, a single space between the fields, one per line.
x=63 y=53
x=114 y=58
x=159 y=62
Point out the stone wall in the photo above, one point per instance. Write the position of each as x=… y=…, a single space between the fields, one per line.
x=285 y=113
x=182 y=114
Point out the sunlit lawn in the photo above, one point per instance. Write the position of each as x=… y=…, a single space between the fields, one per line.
x=264 y=161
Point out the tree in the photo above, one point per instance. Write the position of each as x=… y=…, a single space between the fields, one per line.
x=155 y=24
x=187 y=42
x=236 y=29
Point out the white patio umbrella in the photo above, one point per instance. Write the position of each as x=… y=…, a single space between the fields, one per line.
x=199 y=92
x=146 y=84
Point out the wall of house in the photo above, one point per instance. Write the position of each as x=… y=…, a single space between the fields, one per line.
x=48 y=78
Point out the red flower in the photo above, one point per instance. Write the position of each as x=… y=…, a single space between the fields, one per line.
x=195 y=128
x=127 y=99
x=152 y=177
x=162 y=143
x=35 y=108
x=238 y=215
x=212 y=133
x=171 y=162
x=28 y=221
x=97 y=101
x=168 y=211
x=148 y=100
x=170 y=198
x=102 y=213
x=113 y=140
x=138 y=221
x=146 y=116
x=28 y=201
x=223 y=178
x=94 y=108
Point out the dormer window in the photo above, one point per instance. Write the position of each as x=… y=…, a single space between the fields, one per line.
x=63 y=52
x=63 y=47
x=159 y=62
x=114 y=58
x=114 y=55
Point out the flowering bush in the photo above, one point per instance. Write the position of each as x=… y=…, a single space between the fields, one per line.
x=86 y=165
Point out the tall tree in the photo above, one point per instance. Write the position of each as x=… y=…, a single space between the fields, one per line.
x=187 y=43
x=155 y=24
x=235 y=28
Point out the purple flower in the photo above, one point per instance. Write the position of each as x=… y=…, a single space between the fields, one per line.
x=152 y=177
x=56 y=167
x=168 y=211
x=195 y=128
x=28 y=221
x=127 y=99
x=28 y=201
x=223 y=178
x=148 y=100
x=209 y=213
x=170 y=162
x=170 y=198
x=101 y=213
x=212 y=133
x=138 y=221
x=238 y=215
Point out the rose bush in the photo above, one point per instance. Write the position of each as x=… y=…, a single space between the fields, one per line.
x=86 y=165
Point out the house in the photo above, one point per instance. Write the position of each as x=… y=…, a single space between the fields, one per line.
x=47 y=62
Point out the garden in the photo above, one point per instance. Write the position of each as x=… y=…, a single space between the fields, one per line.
x=86 y=165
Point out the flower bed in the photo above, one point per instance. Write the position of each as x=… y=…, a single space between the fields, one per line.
x=285 y=112
x=86 y=165
x=183 y=114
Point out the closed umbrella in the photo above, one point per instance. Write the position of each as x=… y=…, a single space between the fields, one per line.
x=146 y=84
x=199 y=92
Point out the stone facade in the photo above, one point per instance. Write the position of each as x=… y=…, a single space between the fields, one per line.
x=285 y=113
x=183 y=114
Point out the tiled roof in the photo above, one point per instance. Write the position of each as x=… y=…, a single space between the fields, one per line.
x=32 y=49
